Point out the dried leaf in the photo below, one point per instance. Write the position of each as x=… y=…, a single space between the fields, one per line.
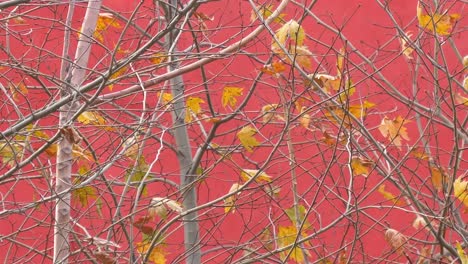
x=438 y=177
x=419 y=222
x=247 y=139
x=19 y=20
x=405 y=49
x=83 y=194
x=389 y=196
x=286 y=237
x=94 y=118
x=261 y=177
x=340 y=62
x=9 y=152
x=157 y=203
x=230 y=95
x=269 y=113
x=193 y=107
x=158 y=58
x=461 y=100
x=461 y=253
x=229 y=202
x=305 y=118
x=289 y=31
x=265 y=11
x=396 y=240
x=394 y=130
x=156 y=255
x=440 y=24
x=419 y=154
x=104 y=258
x=142 y=225
x=167 y=98
x=16 y=90
x=361 y=166
x=460 y=190
x=275 y=68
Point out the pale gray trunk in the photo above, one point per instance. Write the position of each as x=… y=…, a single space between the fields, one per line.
x=72 y=79
x=184 y=152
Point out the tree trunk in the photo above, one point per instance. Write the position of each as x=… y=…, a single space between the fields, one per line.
x=72 y=79
x=184 y=152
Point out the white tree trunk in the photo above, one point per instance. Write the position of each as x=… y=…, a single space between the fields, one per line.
x=72 y=79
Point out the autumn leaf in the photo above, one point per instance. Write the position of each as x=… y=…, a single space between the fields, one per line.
x=157 y=255
x=94 y=118
x=461 y=253
x=286 y=237
x=261 y=176
x=340 y=62
x=105 y=20
x=438 y=177
x=389 y=196
x=247 y=139
x=275 y=68
x=16 y=90
x=83 y=194
x=405 y=48
x=419 y=154
x=394 y=130
x=460 y=190
x=289 y=31
x=104 y=258
x=116 y=75
x=9 y=152
x=160 y=205
x=291 y=213
x=142 y=225
x=396 y=240
x=19 y=20
x=269 y=113
x=440 y=24
x=305 y=118
x=166 y=98
x=158 y=58
x=193 y=107
x=230 y=95
x=229 y=202
x=361 y=166
x=461 y=100
x=265 y=11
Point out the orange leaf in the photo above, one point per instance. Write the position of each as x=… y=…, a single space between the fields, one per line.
x=274 y=68
x=438 y=177
x=394 y=130
x=361 y=166
x=261 y=177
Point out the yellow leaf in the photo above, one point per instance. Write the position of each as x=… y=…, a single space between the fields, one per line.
x=394 y=130
x=405 y=49
x=80 y=153
x=465 y=61
x=167 y=98
x=286 y=237
x=460 y=190
x=230 y=95
x=461 y=253
x=438 y=177
x=361 y=166
x=9 y=152
x=443 y=24
x=94 y=118
x=105 y=20
x=289 y=31
x=83 y=194
x=247 y=139
x=158 y=58
x=193 y=107
x=157 y=255
x=389 y=196
x=461 y=99
x=265 y=11
x=18 y=89
x=229 y=202
x=262 y=177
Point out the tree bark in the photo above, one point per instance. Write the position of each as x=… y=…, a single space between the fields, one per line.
x=72 y=79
